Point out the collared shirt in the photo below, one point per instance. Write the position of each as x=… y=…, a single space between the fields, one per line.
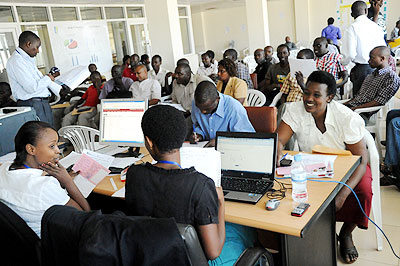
x=160 y=76
x=343 y=126
x=330 y=62
x=230 y=116
x=146 y=89
x=235 y=87
x=26 y=80
x=243 y=73
x=109 y=86
x=293 y=89
x=207 y=71
x=360 y=38
x=92 y=96
x=381 y=85
x=332 y=32
x=184 y=95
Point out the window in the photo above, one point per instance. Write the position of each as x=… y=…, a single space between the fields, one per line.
x=135 y=12
x=32 y=14
x=182 y=11
x=118 y=42
x=88 y=13
x=186 y=32
x=64 y=13
x=6 y=14
x=114 y=12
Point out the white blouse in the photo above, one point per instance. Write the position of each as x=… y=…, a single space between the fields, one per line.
x=343 y=126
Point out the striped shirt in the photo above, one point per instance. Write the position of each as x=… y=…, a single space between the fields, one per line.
x=243 y=73
x=330 y=62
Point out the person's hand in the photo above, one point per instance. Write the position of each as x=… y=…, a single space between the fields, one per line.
x=209 y=144
x=50 y=76
x=195 y=138
x=58 y=171
x=169 y=74
x=300 y=79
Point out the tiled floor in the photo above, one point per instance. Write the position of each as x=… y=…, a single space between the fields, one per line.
x=365 y=240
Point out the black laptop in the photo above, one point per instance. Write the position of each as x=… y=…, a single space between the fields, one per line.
x=247 y=164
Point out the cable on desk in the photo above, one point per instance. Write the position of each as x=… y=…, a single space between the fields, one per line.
x=278 y=193
x=333 y=181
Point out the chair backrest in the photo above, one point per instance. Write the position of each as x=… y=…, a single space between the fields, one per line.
x=263 y=118
x=81 y=137
x=192 y=244
x=373 y=155
x=276 y=99
x=255 y=98
x=253 y=77
x=19 y=245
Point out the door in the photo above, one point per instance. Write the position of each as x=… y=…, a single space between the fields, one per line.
x=8 y=44
x=140 y=38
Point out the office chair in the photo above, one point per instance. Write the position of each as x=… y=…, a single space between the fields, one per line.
x=19 y=244
x=262 y=118
x=255 y=98
x=81 y=137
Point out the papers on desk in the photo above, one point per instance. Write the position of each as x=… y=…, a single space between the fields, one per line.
x=119 y=193
x=176 y=105
x=103 y=159
x=124 y=162
x=69 y=160
x=305 y=66
x=197 y=145
x=206 y=161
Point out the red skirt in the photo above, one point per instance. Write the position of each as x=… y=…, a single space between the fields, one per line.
x=351 y=212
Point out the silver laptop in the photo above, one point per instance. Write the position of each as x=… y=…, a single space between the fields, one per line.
x=247 y=164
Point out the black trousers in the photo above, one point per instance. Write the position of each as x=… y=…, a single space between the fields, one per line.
x=357 y=75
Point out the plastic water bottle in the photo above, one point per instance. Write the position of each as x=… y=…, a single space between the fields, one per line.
x=299 y=180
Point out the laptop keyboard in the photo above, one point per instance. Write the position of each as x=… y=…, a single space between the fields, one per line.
x=245 y=185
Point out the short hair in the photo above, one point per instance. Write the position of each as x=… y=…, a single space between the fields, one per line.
x=4 y=86
x=29 y=133
x=126 y=58
x=331 y=20
x=383 y=51
x=205 y=54
x=358 y=8
x=324 y=77
x=167 y=136
x=283 y=45
x=229 y=66
x=182 y=61
x=95 y=73
x=185 y=67
x=398 y=22
x=211 y=54
x=205 y=91
x=231 y=52
x=157 y=56
x=144 y=57
x=27 y=36
x=308 y=53
x=91 y=64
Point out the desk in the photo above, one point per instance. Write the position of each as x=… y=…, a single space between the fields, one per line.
x=307 y=240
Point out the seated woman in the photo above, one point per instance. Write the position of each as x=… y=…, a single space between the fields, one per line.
x=166 y=190
x=229 y=84
x=320 y=120
x=25 y=188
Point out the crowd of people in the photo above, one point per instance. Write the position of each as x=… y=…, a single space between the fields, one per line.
x=213 y=100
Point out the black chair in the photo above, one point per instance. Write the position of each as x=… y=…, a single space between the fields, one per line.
x=249 y=257
x=19 y=244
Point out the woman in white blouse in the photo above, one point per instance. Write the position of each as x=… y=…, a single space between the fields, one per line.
x=320 y=120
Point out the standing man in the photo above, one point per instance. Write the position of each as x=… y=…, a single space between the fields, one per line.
x=28 y=85
x=332 y=32
x=360 y=38
x=375 y=14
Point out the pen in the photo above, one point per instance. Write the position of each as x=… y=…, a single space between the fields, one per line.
x=283 y=157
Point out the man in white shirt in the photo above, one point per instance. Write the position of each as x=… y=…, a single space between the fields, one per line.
x=158 y=73
x=360 y=38
x=28 y=85
x=208 y=68
x=145 y=88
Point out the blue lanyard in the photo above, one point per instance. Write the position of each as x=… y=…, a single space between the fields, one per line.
x=170 y=162
x=26 y=166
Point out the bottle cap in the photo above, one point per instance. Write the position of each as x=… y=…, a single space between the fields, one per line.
x=297 y=158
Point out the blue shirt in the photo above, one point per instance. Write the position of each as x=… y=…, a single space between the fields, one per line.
x=332 y=32
x=230 y=116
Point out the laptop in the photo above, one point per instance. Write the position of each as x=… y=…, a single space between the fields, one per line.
x=247 y=164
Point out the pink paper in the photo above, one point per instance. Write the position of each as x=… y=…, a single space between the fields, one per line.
x=88 y=167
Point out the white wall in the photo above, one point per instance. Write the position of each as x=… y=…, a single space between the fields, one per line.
x=281 y=21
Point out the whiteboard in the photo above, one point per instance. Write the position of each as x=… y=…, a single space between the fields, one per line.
x=79 y=43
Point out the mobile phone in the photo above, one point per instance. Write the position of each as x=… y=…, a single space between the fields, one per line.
x=286 y=162
x=300 y=209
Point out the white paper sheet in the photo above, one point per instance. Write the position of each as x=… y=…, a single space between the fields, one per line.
x=124 y=162
x=119 y=193
x=305 y=66
x=70 y=159
x=103 y=159
x=198 y=145
x=84 y=185
x=74 y=77
x=206 y=161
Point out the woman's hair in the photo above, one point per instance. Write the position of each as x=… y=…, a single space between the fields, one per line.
x=324 y=77
x=29 y=133
x=126 y=57
x=229 y=66
x=165 y=126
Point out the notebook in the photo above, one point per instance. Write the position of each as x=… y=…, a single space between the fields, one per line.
x=247 y=164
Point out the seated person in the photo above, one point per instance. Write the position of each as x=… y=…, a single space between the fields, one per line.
x=90 y=99
x=229 y=84
x=213 y=111
x=168 y=86
x=329 y=62
x=289 y=43
x=164 y=189
x=145 y=60
x=211 y=54
x=379 y=86
x=145 y=88
x=158 y=73
x=126 y=61
x=269 y=54
x=319 y=120
x=241 y=68
x=207 y=68
x=25 y=188
x=118 y=83
x=261 y=68
x=129 y=72
x=92 y=67
x=276 y=74
x=395 y=33
x=5 y=95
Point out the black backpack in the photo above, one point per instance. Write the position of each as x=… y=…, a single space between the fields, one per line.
x=118 y=93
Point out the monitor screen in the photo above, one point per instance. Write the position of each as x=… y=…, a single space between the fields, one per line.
x=120 y=122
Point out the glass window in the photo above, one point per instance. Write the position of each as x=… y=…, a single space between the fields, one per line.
x=117 y=33
x=185 y=35
x=135 y=12
x=88 y=13
x=63 y=13
x=32 y=14
x=182 y=11
x=6 y=14
x=114 y=12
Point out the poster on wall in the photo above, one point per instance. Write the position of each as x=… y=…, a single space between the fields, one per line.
x=80 y=43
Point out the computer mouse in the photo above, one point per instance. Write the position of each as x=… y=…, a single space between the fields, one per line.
x=272 y=204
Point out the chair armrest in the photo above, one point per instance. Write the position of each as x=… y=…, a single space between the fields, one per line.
x=250 y=256
x=368 y=109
